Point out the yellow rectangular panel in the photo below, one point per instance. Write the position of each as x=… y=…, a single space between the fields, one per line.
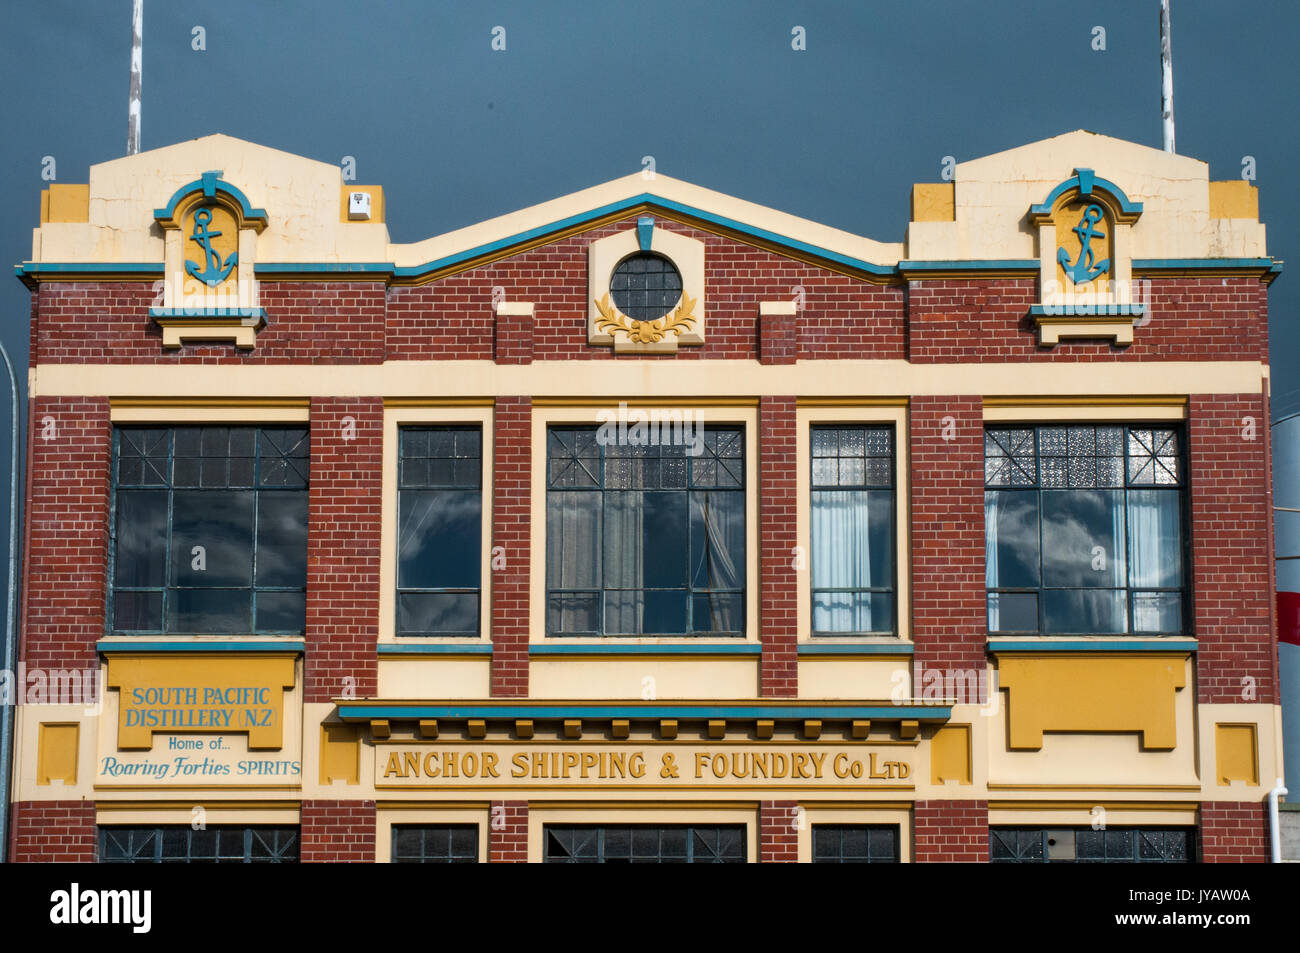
x=340 y=754
x=1236 y=754
x=56 y=754
x=950 y=755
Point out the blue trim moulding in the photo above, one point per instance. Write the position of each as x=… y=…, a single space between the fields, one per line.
x=324 y=267
x=645 y=198
x=210 y=183
x=89 y=267
x=704 y=648
x=856 y=648
x=1092 y=645
x=1086 y=181
x=434 y=648
x=1145 y=264
x=683 y=710
x=982 y=264
x=296 y=645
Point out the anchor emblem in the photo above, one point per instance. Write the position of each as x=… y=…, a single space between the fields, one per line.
x=215 y=272
x=1084 y=270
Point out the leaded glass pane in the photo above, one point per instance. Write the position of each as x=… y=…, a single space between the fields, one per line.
x=1101 y=529
x=192 y=553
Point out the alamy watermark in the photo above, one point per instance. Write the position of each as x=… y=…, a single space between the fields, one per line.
x=651 y=428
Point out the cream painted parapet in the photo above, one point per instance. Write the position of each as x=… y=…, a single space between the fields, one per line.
x=1185 y=216
x=317 y=223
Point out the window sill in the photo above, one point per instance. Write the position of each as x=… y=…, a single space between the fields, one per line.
x=840 y=646
x=478 y=647
x=135 y=643
x=1100 y=644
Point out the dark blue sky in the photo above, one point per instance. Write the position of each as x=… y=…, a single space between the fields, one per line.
x=456 y=132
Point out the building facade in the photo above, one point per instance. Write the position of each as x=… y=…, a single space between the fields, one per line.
x=647 y=523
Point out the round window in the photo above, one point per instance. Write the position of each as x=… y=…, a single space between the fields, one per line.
x=645 y=286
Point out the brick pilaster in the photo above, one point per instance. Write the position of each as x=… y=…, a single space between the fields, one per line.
x=67 y=517
x=338 y=832
x=508 y=832
x=1234 y=832
x=778 y=579
x=778 y=334
x=53 y=831
x=513 y=333
x=949 y=623
x=1232 y=560
x=511 y=528
x=950 y=832
x=778 y=832
x=343 y=547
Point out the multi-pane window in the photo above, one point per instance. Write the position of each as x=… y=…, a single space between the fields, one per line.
x=1082 y=845
x=181 y=844
x=440 y=530
x=854 y=844
x=645 y=539
x=1084 y=529
x=438 y=844
x=853 y=530
x=209 y=530
x=645 y=844
x=645 y=286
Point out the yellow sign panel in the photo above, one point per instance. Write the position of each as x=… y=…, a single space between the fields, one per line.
x=207 y=694
x=647 y=765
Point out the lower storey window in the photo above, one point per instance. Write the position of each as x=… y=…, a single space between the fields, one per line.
x=645 y=844
x=1082 y=845
x=181 y=844
x=854 y=844
x=440 y=844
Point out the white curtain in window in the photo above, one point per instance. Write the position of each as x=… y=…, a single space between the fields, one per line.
x=723 y=517
x=624 y=561
x=573 y=547
x=841 y=558
x=1154 y=550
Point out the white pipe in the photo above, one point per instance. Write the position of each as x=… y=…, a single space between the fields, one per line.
x=1275 y=836
x=137 y=71
x=1166 y=77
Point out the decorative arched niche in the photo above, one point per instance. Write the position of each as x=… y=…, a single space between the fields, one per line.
x=210 y=247
x=1085 y=261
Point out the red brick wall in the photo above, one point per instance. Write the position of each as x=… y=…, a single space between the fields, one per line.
x=338 y=832
x=343 y=547
x=778 y=832
x=1234 y=832
x=67 y=555
x=950 y=832
x=778 y=579
x=452 y=318
x=53 y=831
x=446 y=321
x=1231 y=556
x=340 y=322
x=1191 y=319
x=511 y=526
x=946 y=444
x=508 y=832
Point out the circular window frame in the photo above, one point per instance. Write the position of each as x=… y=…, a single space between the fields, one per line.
x=646 y=315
